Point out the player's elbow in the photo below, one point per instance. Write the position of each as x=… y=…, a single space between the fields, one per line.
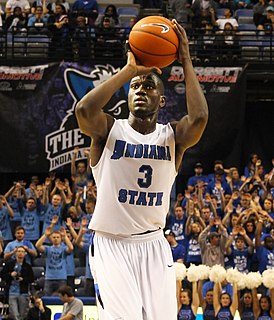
x=80 y=112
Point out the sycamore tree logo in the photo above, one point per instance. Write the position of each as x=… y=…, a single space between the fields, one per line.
x=60 y=144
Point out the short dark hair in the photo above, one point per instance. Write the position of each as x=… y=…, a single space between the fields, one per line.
x=66 y=290
x=19 y=228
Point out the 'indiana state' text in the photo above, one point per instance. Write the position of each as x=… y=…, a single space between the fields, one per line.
x=145 y=151
x=140 y=198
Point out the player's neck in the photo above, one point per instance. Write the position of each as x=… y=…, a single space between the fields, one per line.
x=143 y=126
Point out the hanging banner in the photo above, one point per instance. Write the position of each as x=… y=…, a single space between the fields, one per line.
x=39 y=130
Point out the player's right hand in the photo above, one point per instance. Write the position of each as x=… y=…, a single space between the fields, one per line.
x=139 y=69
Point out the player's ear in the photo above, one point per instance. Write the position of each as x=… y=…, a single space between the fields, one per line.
x=162 y=101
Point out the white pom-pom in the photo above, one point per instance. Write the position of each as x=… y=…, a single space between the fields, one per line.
x=268 y=278
x=203 y=271
x=192 y=273
x=180 y=270
x=241 y=284
x=253 y=280
x=217 y=273
x=233 y=275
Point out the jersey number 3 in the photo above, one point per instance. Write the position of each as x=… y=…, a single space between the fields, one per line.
x=146 y=181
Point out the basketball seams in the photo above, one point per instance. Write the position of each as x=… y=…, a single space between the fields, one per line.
x=152 y=54
x=151 y=46
x=155 y=35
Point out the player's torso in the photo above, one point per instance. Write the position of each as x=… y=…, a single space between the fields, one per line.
x=134 y=177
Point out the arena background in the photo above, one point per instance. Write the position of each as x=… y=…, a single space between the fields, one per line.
x=39 y=130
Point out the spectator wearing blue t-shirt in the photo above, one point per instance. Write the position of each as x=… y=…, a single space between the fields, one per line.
x=218 y=187
x=241 y=253
x=194 y=226
x=53 y=209
x=178 y=251
x=199 y=176
x=84 y=241
x=177 y=224
x=31 y=218
x=265 y=251
x=56 y=269
x=19 y=241
x=6 y=213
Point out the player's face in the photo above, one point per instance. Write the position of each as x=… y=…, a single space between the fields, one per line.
x=144 y=97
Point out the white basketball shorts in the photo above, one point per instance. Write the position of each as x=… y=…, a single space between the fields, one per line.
x=135 y=277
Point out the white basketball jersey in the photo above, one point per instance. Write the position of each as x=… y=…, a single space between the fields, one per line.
x=134 y=177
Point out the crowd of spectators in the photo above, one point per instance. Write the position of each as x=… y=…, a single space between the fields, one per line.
x=72 y=26
x=223 y=218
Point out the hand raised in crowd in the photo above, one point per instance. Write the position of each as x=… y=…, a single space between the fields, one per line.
x=55 y=219
x=48 y=231
x=84 y=222
x=69 y=222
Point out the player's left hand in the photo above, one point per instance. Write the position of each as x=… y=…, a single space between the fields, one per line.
x=183 y=49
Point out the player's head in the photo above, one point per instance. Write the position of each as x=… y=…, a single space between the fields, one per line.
x=146 y=95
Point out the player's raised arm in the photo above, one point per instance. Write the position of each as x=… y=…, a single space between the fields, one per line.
x=191 y=127
x=92 y=121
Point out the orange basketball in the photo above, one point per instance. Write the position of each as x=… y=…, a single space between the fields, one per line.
x=154 y=41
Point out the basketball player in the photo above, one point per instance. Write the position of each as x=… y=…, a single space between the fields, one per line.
x=134 y=162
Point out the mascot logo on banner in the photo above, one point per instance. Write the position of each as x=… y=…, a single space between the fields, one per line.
x=61 y=143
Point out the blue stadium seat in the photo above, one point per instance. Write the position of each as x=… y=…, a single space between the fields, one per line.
x=247 y=27
x=133 y=11
x=244 y=16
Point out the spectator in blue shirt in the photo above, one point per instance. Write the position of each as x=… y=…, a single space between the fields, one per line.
x=19 y=241
x=6 y=213
x=56 y=269
x=265 y=251
x=178 y=251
